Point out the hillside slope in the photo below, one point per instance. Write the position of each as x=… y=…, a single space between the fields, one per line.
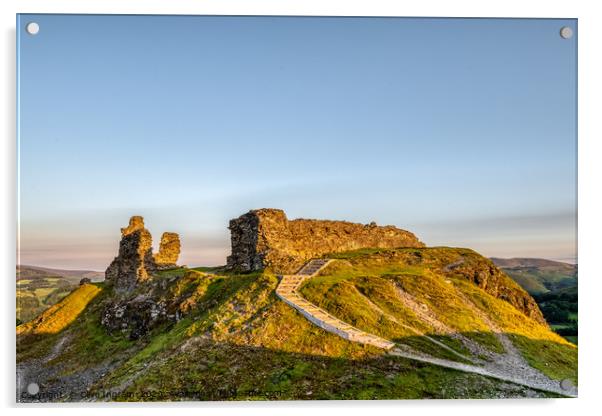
x=38 y=288
x=206 y=334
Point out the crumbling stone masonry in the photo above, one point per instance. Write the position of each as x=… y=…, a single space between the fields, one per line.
x=135 y=261
x=265 y=238
x=169 y=251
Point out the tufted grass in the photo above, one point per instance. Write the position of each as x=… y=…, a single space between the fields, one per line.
x=376 y=273
x=237 y=341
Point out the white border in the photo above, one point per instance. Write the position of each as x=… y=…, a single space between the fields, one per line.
x=590 y=178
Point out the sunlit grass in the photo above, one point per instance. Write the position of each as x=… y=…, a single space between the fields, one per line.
x=233 y=332
x=59 y=316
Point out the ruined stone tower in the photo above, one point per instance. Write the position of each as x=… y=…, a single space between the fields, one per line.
x=169 y=251
x=135 y=261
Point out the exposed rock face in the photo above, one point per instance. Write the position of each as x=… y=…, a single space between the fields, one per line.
x=135 y=261
x=136 y=316
x=169 y=251
x=265 y=238
x=492 y=280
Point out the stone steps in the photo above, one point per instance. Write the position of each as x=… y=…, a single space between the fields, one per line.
x=287 y=291
x=312 y=267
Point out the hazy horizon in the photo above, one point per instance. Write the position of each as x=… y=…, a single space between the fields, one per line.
x=202 y=265
x=192 y=246
x=462 y=131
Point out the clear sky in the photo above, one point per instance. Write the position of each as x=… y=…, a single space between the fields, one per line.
x=460 y=130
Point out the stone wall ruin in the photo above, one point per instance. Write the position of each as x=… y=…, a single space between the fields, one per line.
x=169 y=251
x=135 y=261
x=266 y=238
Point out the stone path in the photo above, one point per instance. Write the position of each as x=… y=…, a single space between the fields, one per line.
x=287 y=291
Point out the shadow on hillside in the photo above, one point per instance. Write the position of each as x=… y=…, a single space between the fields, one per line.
x=92 y=363
x=556 y=360
x=224 y=371
x=207 y=370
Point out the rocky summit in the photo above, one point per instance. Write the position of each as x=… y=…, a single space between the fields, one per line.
x=266 y=238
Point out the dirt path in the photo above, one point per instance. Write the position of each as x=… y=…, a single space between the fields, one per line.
x=512 y=361
x=549 y=387
x=510 y=366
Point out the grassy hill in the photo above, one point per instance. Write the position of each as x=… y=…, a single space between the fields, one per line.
x=38 y=288
x=207 y=334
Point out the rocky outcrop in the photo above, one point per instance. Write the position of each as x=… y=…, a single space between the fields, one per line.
x=483 y=273
x=135 y=262
x=265 y=238
x=135 y=316
x=169 y=251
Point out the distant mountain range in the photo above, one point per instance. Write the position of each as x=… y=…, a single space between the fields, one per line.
x=539 y=276
x=34 y=272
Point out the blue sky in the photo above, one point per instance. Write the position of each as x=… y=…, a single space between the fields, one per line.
x=460 y=130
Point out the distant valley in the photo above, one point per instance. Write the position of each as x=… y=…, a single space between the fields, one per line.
x=553 y=285
x=539 y=276
x=38 y=288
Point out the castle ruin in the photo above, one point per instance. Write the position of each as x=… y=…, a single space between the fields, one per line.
x=266 y=238
x=135 y=261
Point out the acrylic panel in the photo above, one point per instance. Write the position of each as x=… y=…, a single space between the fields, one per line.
x=295 y=208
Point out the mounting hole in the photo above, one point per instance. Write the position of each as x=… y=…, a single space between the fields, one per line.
x=566 y=384
x=32 y=28
x=566 y=32
x=33 y=389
